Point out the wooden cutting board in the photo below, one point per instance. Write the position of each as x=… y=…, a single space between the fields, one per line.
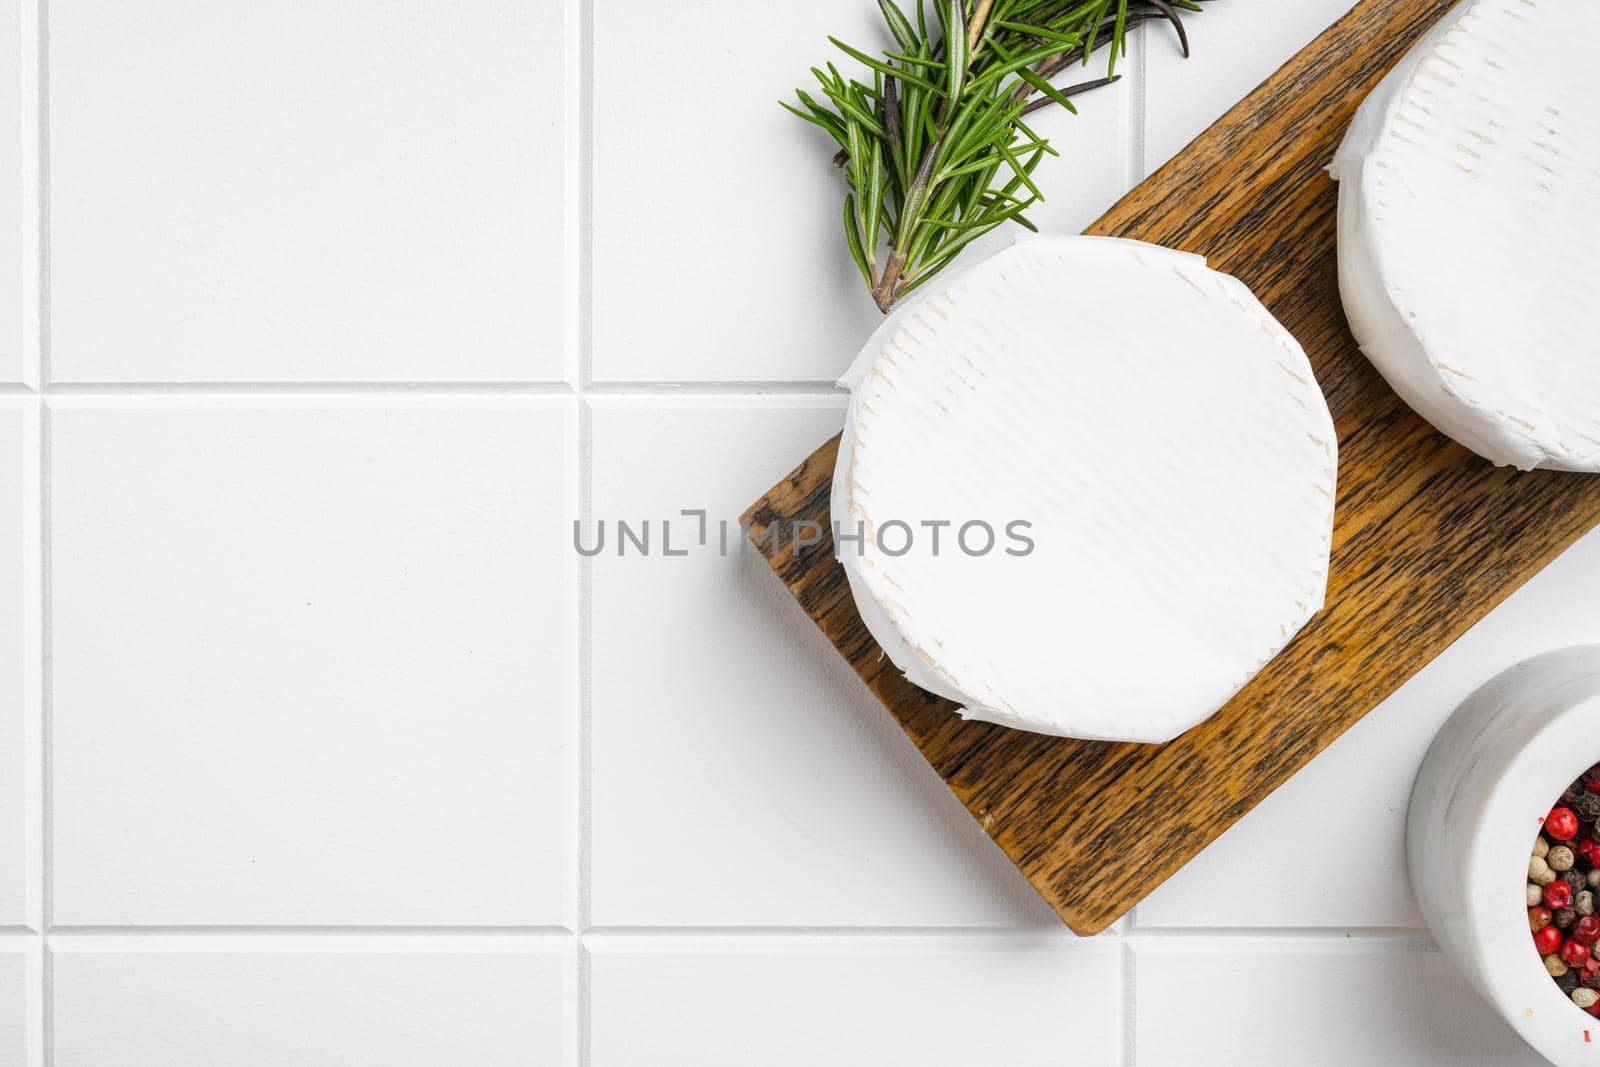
x=1427 y=537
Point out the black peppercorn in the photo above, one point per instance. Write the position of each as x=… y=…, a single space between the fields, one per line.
x=1569 y=981
x=1574 y=878
x=1593 y=980
x=1564 y=917
x=1587 y=806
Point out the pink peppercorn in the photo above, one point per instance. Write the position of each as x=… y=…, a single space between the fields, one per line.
x=1558 y=894
x=1574 y=954
x=1547 y=940
x=1561 y=823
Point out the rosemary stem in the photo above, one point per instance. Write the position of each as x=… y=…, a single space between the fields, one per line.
x=884 y=293
x=975 y=29
x=910 y=218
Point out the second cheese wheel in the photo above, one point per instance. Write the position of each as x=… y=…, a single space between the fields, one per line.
x=1469 y=224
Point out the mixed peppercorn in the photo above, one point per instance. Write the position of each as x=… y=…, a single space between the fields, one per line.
x=1563 y=882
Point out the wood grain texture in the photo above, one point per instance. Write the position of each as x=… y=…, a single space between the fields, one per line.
x=1427 y=537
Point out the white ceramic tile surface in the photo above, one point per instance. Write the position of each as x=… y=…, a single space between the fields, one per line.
x=207 y=1002
x=1225 y=1003
x=709 y=260
x=742 y=775
x=310 y=662
x=15 y=250
x=300 y=191
x=19 y=657
x=21 y=1003
x=849 y=1002
x=1235 y=45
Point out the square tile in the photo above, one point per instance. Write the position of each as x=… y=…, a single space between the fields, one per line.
x=301 y=191
x=16 y=182
x=19 y=663
x=796 y=1003
x=766 y=291
x=742 y=774
x=311 y=662
x=1341 y=820
x=21 y=1002
x=199 y=1002
x=1235 y=48
x=1227 y=1003
x=717 y=249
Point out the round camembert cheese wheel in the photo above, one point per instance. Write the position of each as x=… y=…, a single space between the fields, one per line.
x=1085 y=488
x=1469 y=223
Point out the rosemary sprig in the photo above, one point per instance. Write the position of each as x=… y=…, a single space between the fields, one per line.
x=934 y=147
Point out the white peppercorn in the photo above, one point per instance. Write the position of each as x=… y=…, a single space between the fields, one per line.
x=1583 y=996
x=1539 y=872
x=1594 y=878
x=1583 y=903
x=1560 y=858
x=1536 y=895
x=1540 y=846
x=1555 y=965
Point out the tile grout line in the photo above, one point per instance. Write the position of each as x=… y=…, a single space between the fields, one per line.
x=335 y=389
x=443 y=390
x=1138 y=105
x=40 y=50
x=579 y=38
x=789 y=387
x=585 y=984
x=177 y=930
x=880 y=933
x=47 y=1005
x=46 y=736
x=1127 y=998
x=1405 y=934
x=33 y=670
x=1128 y=1039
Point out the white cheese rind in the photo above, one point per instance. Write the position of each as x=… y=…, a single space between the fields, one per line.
x=1469 y=230
x=1166 y=440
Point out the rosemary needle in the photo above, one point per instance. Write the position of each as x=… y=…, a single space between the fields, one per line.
x=932 y=143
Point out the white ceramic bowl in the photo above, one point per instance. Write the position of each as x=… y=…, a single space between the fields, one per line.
x=1490 y=777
